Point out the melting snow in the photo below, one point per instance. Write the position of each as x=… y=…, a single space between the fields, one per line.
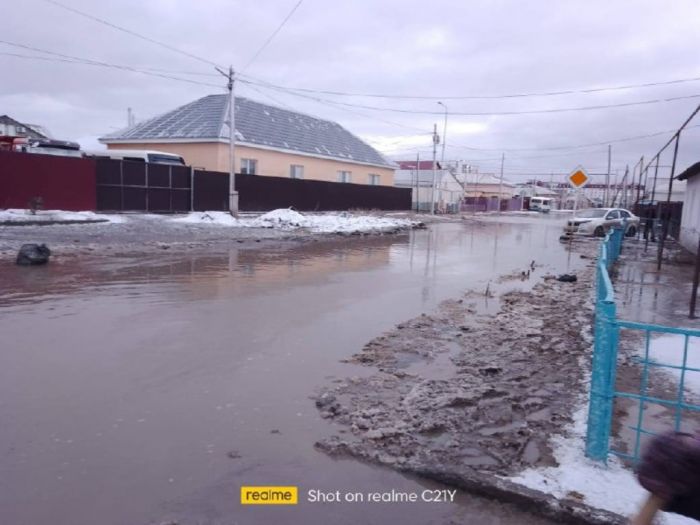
x=612 y=487
x=20 y=215
x=668 y=350
x=289 y=219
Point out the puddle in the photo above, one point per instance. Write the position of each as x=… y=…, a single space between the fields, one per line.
x=169 y=381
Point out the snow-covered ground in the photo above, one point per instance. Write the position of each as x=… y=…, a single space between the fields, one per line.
x=342 y=222
x=20 y=215
x=612 y=487
x=284 y=219
x=668 y=350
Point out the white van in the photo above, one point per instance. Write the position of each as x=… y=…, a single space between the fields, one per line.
x=137 y=155
x=541 y=204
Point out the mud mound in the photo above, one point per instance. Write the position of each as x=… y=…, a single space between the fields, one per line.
x=466 y=388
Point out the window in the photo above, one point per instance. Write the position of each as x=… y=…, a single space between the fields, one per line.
x=296 y=171
x=374 y=179
x=612 y=215
x=344 y=176
x=249 y=166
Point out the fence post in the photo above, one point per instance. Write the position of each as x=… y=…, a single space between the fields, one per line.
x=602 y=380
x=191 y=188
x=604 y=363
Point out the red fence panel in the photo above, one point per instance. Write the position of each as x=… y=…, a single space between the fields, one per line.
x=63 y=183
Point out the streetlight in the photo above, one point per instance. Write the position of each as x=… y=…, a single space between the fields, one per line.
x=442 y=156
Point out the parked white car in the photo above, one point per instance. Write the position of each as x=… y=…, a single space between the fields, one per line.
x=597 y=221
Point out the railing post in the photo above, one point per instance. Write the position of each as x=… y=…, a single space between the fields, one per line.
x=602 y=377
x=603 y=366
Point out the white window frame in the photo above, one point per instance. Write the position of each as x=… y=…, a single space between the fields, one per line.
x=344 y=176
x=374 y=179
x=296 y=171
x=245 y=166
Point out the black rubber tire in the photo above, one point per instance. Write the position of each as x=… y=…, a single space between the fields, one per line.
x=631 y=231
x=599 y=231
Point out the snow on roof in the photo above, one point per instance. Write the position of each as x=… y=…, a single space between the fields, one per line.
x=256 y=124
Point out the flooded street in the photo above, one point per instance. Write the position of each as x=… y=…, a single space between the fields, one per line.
x=148 y=390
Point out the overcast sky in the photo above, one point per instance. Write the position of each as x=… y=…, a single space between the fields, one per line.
x=394 y=47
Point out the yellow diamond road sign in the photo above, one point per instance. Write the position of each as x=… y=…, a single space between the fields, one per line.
x=578 y=178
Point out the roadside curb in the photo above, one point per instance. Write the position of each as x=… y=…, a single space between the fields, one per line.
x=490 y=486
x=486 y=485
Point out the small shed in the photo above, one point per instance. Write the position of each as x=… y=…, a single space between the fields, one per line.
x=690 y=220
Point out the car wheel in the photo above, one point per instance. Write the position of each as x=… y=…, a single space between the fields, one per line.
x=599 y=231
x=631 y=231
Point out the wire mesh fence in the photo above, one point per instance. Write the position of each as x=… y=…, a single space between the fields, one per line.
x=678 y=359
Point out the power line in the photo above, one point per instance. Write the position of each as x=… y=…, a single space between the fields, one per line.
x=480 y=97
x=335 y=105
x=487 y=113
x=130 y=32
x=274 y=33
x=579 y=146
x=85 y=61
x=60 y=57
x=270 y=97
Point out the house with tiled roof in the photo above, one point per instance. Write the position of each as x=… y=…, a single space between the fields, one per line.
x=269 y=141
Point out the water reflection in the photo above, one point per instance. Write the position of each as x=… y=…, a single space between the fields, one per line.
x=125 y=373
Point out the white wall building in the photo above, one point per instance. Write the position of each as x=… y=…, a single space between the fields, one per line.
x=448 y=191
x=690 y=220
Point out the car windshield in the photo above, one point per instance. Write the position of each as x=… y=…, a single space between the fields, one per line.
x=592 y=213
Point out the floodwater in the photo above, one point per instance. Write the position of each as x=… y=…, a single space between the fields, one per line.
x=138 y=390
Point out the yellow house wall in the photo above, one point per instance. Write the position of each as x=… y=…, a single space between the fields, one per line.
x=214 y=156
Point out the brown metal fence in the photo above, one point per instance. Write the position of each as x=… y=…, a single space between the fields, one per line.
x=140 y=186
x=262 y=193
x=210 y=191
x=160 y=188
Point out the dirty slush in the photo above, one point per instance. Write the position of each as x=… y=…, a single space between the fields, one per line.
x=466 y=386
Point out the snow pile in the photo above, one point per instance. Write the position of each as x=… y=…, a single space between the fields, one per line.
x=611 y=487
x=20 y=215
x=668 y=350
x=346 y=223
x=281 y=218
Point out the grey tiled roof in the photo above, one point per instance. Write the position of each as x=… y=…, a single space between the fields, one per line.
x=256 y=124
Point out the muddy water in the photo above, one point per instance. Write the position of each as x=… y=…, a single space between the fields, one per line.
x=141 y=390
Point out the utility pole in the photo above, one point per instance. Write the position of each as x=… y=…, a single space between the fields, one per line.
x=500 y=184
x=444 y=137
x=639 y=184
x=436 y=139
x=232 y=193
x=666 y=213
x=607 y=178
x=418 y=181
x=442 y=156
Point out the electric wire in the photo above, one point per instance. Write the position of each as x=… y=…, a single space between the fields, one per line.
x=479 y=97
x=272 y=36
x=130 y=32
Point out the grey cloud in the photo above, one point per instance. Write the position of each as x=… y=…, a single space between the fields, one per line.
x=398 y=47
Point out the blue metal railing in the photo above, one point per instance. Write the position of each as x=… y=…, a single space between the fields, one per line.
x=604 y=365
